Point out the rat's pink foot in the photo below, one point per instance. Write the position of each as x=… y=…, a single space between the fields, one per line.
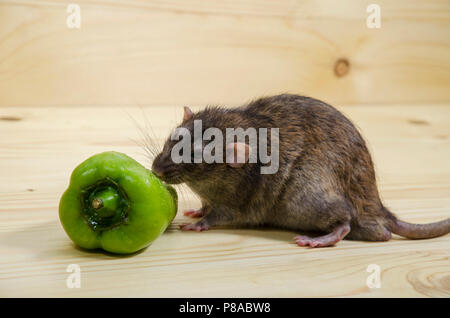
x=198 y=226
x=322 y=241
x=310 y=241
x=195 y=213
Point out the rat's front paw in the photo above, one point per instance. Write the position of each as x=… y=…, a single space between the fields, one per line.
x=198 y=226
x=195 y=213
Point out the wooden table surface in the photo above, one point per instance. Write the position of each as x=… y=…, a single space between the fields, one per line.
x=39 y=147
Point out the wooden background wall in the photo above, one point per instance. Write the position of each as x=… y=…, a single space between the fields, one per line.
x=197 y=52
x=168 y=53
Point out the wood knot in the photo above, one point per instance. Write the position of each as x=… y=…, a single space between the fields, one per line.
x=341 y=67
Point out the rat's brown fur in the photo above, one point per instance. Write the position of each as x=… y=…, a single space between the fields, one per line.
x=325 y=182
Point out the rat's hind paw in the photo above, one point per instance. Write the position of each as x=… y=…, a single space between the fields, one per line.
x=309 y=241
x=199 y=226
x=326 y=240
x=195 y=213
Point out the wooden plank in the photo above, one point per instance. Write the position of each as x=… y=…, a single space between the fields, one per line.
x=198 y=52
x=39 y=147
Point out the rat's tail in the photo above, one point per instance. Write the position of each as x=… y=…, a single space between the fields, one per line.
x=421 y=231
x=417 y=231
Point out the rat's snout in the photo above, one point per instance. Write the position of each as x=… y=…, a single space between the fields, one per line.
x=158 y=167
x=162 y=166
x=158 y=172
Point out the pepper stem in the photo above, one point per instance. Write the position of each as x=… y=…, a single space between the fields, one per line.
x=106 y=202
x=97 y=203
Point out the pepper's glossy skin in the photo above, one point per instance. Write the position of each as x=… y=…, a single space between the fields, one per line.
x=132 y=206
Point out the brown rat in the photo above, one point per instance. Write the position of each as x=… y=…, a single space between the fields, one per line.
x=325 y=181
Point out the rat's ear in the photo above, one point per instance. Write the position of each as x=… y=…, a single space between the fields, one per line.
x=237 y=154
x=187 y=113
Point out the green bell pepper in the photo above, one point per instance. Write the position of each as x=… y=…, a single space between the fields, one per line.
x=116 y=204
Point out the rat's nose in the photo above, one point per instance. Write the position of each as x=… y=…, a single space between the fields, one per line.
x=157 y=169
x=159 y=173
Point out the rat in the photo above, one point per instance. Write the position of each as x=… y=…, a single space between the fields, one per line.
x=325 y=182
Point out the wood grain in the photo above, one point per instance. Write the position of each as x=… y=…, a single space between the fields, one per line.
x=39 y=147
x=198 y=52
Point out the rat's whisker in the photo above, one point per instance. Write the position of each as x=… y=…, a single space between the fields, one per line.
x=147 y=142
x=150 y=133
x=182 y=190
